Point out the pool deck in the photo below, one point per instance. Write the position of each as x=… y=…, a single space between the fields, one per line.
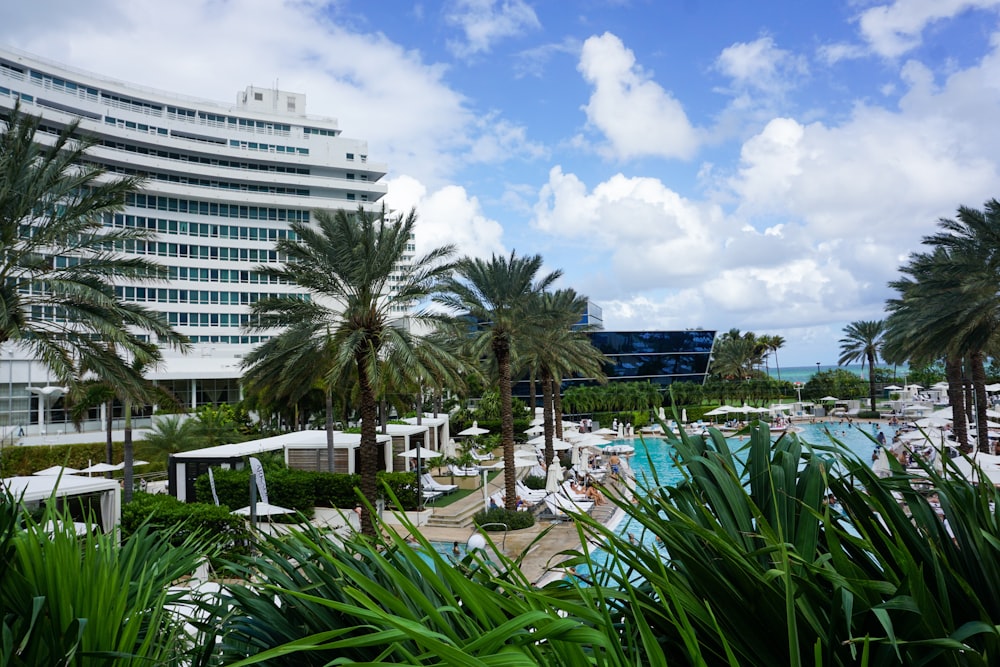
x=545 y=542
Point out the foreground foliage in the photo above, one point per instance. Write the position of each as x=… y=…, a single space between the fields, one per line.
x=742 y=563
x=85 y=600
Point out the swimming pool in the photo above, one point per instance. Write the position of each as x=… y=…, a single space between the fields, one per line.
x=658 y=452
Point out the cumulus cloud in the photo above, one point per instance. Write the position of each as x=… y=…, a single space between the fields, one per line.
x=377 y=90
x=448 y=215
x=761 y=65
x=634 y=113
x=893 y=29
x=484 y=22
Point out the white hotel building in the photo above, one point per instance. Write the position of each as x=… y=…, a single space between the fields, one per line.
x=222 y=183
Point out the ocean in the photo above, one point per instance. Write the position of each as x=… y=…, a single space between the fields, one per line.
x=805 y=373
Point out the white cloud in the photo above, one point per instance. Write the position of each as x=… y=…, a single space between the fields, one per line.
x=834 y=53
x=485 y=22
x=532 y=62
x=378 y=91
x=892 y=30
x=447 y=216
x=636 y=115
x=761 y=65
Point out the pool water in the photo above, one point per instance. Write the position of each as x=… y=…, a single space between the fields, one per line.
x=658 y=452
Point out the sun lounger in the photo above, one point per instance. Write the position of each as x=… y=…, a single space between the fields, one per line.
x=431 y=495
x=567 y=489
x=529 y=494
x=462 y=472
x=481 y=457
x=432 y=484
x=559 y=505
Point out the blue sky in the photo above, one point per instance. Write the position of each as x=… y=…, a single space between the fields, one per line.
x=764 y=166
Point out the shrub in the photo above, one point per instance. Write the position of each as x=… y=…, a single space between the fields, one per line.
x=498 y=515
x=868 y=414
x=26 y=460
x=534 y=482
x=180 y=520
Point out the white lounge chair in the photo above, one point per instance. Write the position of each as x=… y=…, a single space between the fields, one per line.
x=567 y=489
x=559 y=505
x=432 y=484
x=529 y=494
x=462 y=472
x=488 y=456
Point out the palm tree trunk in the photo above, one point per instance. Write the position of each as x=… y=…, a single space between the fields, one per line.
x=547 y=417
x=129 y=453
x=109 y=445
x=956 y=397
x=557 y=406
x=369 y=446
x=871 y=379
x=329 y=428
x=776 y=365
x=979 y=393
x=532 y=397
x=501 y=350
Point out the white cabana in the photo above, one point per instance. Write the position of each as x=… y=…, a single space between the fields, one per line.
x=37 y=489
x=55 y=471
x=474 y=430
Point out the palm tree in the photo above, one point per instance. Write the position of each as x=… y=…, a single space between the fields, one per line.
x=773 y=344
x=498 y=295
x=921 y=324
x=59 y=266
x=353 y=266
x=555 y=349
x=862 y=341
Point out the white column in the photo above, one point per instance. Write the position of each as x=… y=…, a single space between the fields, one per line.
x=194 y=393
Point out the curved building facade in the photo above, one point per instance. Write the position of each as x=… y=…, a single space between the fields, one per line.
x=222 y=183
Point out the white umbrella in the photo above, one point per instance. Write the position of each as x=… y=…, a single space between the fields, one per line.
x=534 y=430
x=621 y=430
x=554 y=477
x=620 y=449
x=892 y=387
x=829 y=398
x=264 y=509
x=474 y=430
x=422 y=452
x=605 y=431
x=55 y=471
x=138 y=462
x=989 y=387
x=684 y=415
x=557 y=444
x=449 y=449
x=525 y=461
x=100 y=467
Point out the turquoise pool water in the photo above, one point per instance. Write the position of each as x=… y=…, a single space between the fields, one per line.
x=658 y=452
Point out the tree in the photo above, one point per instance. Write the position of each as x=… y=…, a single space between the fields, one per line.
x=555 y=349
x=862 y=341
x=497 y=296
x=359 y=285
x=59 y=264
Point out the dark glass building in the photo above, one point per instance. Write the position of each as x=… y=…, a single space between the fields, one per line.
x=661 y=357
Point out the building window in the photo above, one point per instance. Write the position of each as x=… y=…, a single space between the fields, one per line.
x=258 y=97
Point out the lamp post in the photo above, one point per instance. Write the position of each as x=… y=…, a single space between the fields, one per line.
x=817 y=368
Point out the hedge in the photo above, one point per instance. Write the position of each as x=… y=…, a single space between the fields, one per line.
x=302 y=490
x=498 y=515
x=216 y=525
x=25 y=460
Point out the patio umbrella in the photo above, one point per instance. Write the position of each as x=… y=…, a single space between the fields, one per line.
x=534 y=430
x=422 y=452
x=717 y=412
x=619 y=449
x=605 y=431
x=684 y=415
x=829 y=398
x=100 y=467
x=449 y=449
x=474 y=430
x=554 y=477
x=557 y=444
x=55 y=471
x=892 y=387
x=264 y=509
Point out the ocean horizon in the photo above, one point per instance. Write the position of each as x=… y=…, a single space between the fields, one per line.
x=805 y=373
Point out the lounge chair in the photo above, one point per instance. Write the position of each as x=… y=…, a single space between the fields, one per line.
x=432 y=484
x=431 y=495
x=559 y=505
x=529 y=494
x=567 y=489
x=488 y=456
x=462 y=472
